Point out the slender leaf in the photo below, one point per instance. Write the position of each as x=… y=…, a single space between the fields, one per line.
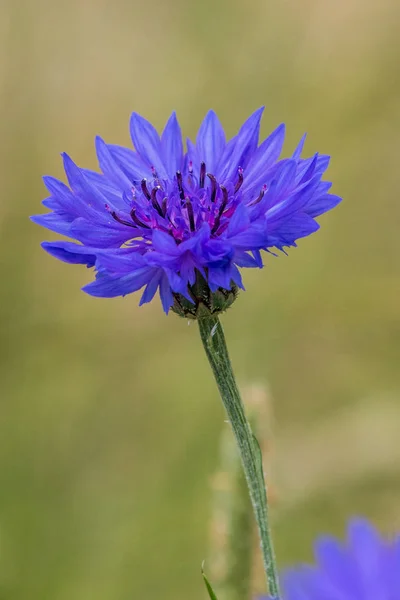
x=211 y=592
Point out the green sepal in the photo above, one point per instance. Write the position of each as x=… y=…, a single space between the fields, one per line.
x=205 y=302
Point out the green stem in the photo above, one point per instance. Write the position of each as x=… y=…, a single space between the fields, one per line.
x=212 y=336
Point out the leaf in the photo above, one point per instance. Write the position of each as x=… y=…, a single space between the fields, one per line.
x=211 y=592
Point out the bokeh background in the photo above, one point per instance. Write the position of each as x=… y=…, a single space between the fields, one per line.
x=110 y=419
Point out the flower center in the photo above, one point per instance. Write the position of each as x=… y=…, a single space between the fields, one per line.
x=179 y=207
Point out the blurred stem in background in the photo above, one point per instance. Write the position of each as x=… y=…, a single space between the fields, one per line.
x=213 y=339
x=233 y=558
x=232 y=526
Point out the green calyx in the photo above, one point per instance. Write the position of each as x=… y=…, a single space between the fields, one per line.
x=205 y=302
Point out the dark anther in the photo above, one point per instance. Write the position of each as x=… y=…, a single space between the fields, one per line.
x=154 y=200
x=239 y=182
x=225 y=198
x=164 y=207
x=136 y=220
x=180 y=186
x=224 y=202
x=154 y=173
x=260 y=196
x=119 y=220
x=202 y=174
x=189 y=208
x=214 y=186
x=143 y=185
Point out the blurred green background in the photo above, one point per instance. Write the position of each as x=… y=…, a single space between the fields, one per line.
x=110 y=419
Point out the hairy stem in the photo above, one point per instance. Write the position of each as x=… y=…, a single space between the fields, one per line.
x=212 y=336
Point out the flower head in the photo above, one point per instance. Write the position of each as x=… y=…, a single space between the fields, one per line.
x=184 y=223
x=367 y=567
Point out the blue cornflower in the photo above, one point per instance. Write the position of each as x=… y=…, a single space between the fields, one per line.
x=367 y=567
x=183 y=223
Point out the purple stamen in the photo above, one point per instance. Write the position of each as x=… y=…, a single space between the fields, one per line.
x=224 y=196
x=164 y=207
x=119 y=220
x=225 y=200
x=143 y=185
x=180 y=185
x=214 y=186
x=154 y=200
x=202 y=174
x=259 y=197
x=136 y=220
x=239 y=182
x=189 y=209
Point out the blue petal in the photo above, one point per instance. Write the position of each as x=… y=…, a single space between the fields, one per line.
x=151 y=288
x=120 y=261
x=217 y=248
x=147 y=143
x=110 y=287
x=67 y=200
x=54 y=204
x=88 y=198
x=338 y=565
x=109 y=166
x=193 y=156
x=245 y=146
x=178 y=285
x=285 y=180
x=164 y=243
x=322 y=204
x=108 y=188
x=219 y=277
x=319 y=587
x=299 y=148
x=54 y=222
x=321 y=164
x=224 y=161
x=393 y=572
x=264 y=157
x=257 y=257
x=187 y=268
x=296 y=201
x=309 y=171
x=70 y=253
x=130 y=163
x=366 y=568
x=324 y=186
x=166 y=296
x=210 y=141
x=366 y=545
x=172 y=147
x=364 y=541
x=243 y=259
x=294 y=584
x=99 y=235
x=197 y=240
x=239 y=221
x=236 y=276
x=252 y=238
x=284 y=232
